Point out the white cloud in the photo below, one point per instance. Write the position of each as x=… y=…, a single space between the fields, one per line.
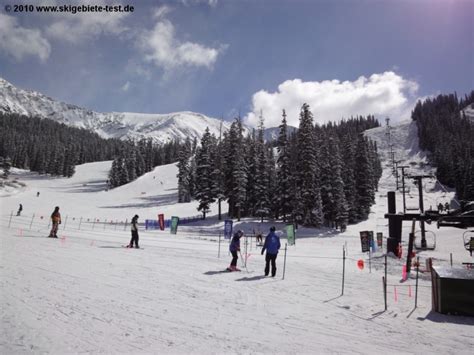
x=162 y=48
x=386 y=94
x=125 y=86
x=20 y=42
x=78 y=27
x=211 y=3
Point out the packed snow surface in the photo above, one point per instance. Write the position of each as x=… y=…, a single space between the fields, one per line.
x=84 y=292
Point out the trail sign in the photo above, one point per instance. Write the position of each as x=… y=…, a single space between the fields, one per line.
x=174 y=224
x=290 y=234
x=228 y=229
x=379 y=239
x=365 y=241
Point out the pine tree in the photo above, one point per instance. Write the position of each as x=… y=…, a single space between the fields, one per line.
x=262 y=207
x=205 y=188
x=284 y=176
x=308 y=170
x=184 y=171
x=363 y=177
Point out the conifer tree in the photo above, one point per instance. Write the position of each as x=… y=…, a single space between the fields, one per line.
x=308 y=170
x=205 y=188
x=184 y=172
x=283 y=176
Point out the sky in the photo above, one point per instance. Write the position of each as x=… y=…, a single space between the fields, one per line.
x=228 y=58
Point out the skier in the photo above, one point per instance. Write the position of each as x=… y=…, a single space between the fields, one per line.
x=37 y=194
x=259 y=237
x=446 y=207
x=134 y=233
x=440 y=207
x=56 y=220
x=234 y=248
x=19 y=209
x=271 y=245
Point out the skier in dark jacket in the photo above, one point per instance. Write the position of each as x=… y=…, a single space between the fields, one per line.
x=56 y=221
x=134 y=233
x=19 y=210
x=271 y=245
x=234 y=248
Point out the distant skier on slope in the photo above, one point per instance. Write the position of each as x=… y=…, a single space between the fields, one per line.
x=234 y=248
x=134 y=230
x=440 y=207
x=20 y=208
x=271 y=245
x=446 y=207
x=56 y=221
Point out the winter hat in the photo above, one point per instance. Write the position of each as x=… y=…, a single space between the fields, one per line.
x=272 y=229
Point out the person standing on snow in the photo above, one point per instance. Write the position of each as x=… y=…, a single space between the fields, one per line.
x=134 y=233
x=234 y=248
x=19 y=210
x=271 y=245
x=56 y=221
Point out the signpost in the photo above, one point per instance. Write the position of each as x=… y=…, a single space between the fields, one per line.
x=290 y=234
x=228 y=229
x=365 y=241
x=379 y=239
x=161 y=221
x=174 y=224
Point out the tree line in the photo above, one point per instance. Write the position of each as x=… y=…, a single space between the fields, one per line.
x=316 y=175
x=447 y=134
x=49 y=147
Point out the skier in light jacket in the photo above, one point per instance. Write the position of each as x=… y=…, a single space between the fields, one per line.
x=271 y=245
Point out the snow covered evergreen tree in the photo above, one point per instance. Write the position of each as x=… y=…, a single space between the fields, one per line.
x=184 y=173
x=284 y=184
x=262 y=206
x=364 y=176
x=308 y=174
x=205 y=185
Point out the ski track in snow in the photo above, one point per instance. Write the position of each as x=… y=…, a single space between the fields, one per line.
x=85 y=293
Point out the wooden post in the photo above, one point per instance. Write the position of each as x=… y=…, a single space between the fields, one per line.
x=451 y=258
x=385 y=282
x=10 y=222
x=284 y=262
x=32 y=218
x=370 y=262
x=416 y=287
x=343 y=268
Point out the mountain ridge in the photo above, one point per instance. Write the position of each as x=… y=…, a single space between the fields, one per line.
x=123 y=125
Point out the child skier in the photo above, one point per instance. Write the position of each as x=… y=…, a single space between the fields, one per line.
x=234 y=248
x=134 y=233
x=271 y=245
x=56 y=221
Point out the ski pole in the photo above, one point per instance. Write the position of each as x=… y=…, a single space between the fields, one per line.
x=242 y=262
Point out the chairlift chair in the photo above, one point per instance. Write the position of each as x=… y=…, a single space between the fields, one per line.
x=430 y=240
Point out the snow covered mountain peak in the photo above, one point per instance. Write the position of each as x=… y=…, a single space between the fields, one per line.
x=124 y=125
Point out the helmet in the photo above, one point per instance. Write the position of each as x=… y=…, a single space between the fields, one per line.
x=240 y=232
x=272 y=229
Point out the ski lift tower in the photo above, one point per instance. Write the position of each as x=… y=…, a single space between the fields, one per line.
x=403 y=167
x=418 y=180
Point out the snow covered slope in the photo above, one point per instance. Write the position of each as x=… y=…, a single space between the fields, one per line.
x=160 y=127
x=84 y=293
